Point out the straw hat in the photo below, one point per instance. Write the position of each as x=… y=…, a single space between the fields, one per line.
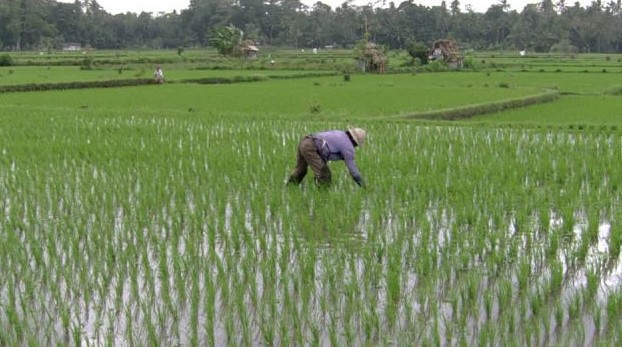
x=358 y=135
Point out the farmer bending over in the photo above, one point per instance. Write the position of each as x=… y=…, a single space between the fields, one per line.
x=316 y=150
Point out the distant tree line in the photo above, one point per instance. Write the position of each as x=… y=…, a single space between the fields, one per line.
x=540 y=27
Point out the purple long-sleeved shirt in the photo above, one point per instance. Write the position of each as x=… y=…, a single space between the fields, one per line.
x=336 y=145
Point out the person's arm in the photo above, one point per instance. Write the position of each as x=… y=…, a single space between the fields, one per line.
x=354 y=171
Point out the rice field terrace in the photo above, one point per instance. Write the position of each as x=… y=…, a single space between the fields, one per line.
x=159 y=215
x=549 y=62
x=58 y=74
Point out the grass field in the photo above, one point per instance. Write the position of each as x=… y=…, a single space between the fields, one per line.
x=58 y=74
x=587 y=111
x=158 y=215
x=322 y=97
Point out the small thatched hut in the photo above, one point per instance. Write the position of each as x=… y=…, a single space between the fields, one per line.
x=448 y=51
x=246 y=49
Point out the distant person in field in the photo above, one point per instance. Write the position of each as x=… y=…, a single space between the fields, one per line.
x=158 y=75
x=316 y=150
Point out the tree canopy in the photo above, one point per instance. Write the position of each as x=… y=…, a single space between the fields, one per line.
x=540 y=27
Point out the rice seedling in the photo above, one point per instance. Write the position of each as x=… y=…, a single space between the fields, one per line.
x=177 y=229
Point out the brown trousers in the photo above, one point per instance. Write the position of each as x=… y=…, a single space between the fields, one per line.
x=308 y=155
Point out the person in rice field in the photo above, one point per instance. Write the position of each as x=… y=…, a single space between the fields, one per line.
x=316 y=150
x=158 y=75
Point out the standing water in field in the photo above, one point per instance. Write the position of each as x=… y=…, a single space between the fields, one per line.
x=134 y=230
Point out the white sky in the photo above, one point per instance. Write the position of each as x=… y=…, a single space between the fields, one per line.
x=155 y=6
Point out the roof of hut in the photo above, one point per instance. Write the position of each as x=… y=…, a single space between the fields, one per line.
x=449 y=48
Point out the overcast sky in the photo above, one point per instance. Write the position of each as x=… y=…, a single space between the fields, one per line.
x=155 y=6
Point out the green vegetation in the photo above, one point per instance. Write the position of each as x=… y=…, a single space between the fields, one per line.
x=540 y=26
x=580 y=112
x=6 y=60
x=363 y=97
x=159 y=214
x=225 y=39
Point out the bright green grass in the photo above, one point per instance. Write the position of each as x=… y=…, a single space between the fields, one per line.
x=158 y=215
x=334 y=59
x=363 y=97
x=17 y=75
x=547 y=63
x=589 y=111
x=189 y=54
x=147 y=227
x=582 y=83
x=136 y=61
x=583 y=102
x=549 y=58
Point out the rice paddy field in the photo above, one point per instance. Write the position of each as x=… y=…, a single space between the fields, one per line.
x=159 y=215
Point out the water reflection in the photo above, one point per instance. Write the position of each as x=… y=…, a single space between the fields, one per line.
x=325 y=220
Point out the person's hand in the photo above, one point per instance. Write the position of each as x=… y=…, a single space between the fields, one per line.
x=360 y=182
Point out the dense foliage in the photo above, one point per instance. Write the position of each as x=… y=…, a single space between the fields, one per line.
x=539 y=27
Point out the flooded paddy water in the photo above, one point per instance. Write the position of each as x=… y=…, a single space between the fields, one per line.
x=148 y=230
